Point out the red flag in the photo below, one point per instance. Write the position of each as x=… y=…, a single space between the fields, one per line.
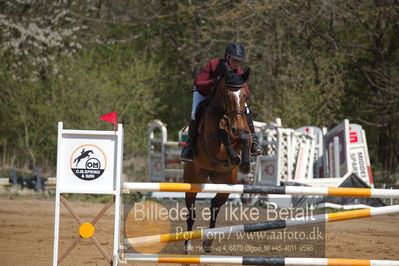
x=111 y=117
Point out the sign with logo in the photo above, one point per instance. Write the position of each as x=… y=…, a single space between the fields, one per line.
x=358 y=153
x=88 y=161
x=268 y=171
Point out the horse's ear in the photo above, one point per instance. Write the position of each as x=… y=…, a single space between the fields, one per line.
x=245 y=75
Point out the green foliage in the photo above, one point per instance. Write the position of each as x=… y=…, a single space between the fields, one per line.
x=90 y=84
x=98 y=82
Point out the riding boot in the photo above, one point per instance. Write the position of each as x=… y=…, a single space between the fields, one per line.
x=256 y=149
x=187 y=154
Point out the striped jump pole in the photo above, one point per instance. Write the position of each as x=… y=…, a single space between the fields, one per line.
x=282 y=190
x=246 y=260
x=212 y=233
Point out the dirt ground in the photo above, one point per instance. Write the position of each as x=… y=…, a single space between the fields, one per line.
x=27 y=233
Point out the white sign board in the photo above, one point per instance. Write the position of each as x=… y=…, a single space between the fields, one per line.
x=358 y=153
x=341 y=152
x=318 y=154
x=87 y=162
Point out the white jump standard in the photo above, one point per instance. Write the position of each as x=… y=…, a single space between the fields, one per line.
x=89 y=162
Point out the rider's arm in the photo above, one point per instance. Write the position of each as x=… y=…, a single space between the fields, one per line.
x=205 y=81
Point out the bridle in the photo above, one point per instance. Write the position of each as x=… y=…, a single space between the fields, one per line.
x=228 y=115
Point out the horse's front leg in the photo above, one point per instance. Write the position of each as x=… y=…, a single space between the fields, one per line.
x=231 y=153
x=245 y=166
x=216 y=204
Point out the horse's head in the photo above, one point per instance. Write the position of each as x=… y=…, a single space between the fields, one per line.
x=232 y=97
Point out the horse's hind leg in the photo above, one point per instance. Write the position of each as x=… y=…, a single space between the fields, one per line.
x=216 y=203
x=192 y=175
x=190 y=204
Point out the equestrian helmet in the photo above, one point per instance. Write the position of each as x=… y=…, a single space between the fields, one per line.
x=235 y=51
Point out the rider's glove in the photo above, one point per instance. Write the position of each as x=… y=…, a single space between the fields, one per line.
x=216 y=80
x=221 y=68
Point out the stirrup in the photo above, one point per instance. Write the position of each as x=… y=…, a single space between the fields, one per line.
x=255 y=149
x=187 y=154
x=257 y=152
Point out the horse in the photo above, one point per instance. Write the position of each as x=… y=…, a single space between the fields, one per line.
x=221 y=147
x=83 y=154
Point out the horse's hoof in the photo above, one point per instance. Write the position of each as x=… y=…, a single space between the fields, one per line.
x=245 y=168
x=187 y=247
x=206 y=246
x=235 y=160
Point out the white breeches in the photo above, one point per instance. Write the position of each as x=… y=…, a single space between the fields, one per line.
x=197 y=98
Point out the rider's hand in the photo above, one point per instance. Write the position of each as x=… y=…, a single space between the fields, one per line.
x=216 y=80
x=221 y=68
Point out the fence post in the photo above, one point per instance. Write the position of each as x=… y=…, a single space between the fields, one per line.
x=39 y=184
x=391 y=198
x=14 y=180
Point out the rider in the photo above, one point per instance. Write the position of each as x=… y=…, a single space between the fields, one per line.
x=204 y=84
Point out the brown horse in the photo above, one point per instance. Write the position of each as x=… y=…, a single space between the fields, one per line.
x=222 y=146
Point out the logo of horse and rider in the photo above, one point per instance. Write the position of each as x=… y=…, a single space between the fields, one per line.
x=88 y=162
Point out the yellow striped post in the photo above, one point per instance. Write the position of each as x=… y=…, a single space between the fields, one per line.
x=185 y=259
x=349 y=192
x=180 y=187
x=349 y=215
x=348 y=262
